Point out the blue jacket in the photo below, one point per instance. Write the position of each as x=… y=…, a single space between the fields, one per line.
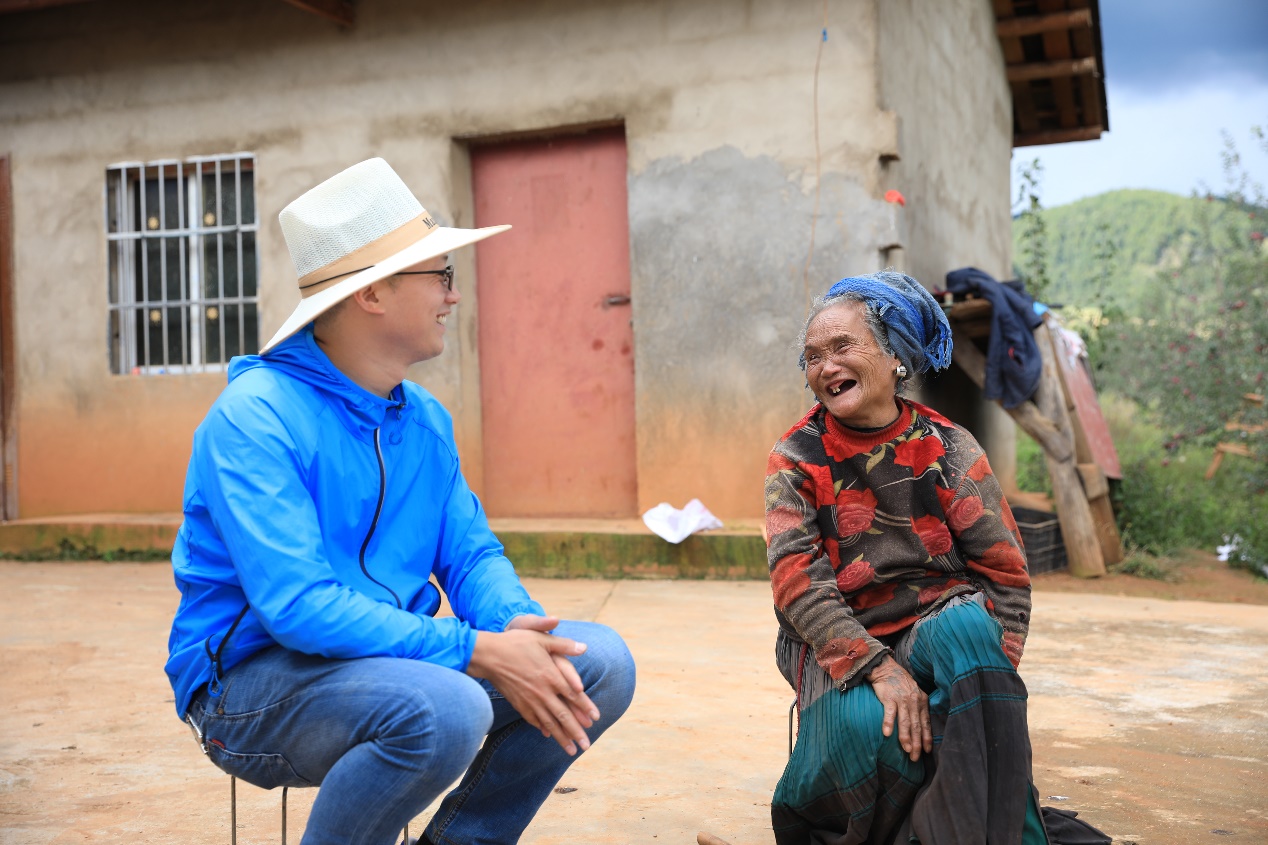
x=315 y=514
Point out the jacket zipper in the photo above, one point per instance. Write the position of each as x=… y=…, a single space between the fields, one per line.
x=378 y=509
x=213 y=686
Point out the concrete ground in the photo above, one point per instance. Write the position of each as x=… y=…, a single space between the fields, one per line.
x=1148 y=717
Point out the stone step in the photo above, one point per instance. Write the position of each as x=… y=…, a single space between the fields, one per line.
x=551 y=548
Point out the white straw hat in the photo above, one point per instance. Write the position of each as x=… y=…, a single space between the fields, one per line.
x=358 y=227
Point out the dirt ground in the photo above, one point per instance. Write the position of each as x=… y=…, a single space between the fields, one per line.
x=1191 y=576
x=1147 y=714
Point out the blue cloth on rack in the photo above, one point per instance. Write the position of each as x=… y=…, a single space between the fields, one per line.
x=1013 y=364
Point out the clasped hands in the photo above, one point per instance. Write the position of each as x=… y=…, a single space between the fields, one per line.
x=532 y=671
x=904 y=702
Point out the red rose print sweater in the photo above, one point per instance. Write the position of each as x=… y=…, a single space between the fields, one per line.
x=868 y=532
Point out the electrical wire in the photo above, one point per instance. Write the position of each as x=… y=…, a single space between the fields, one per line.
x=814 y=217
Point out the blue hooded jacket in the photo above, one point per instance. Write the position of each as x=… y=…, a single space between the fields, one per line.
x=315 y=515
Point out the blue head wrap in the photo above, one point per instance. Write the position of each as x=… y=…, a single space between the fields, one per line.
x=918 y=330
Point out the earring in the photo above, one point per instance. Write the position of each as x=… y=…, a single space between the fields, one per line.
x=900 y=371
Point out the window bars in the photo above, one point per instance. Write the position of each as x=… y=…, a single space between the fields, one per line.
x=183 y=264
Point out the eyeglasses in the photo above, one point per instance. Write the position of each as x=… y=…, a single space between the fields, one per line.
x=447 y=273
x=813 y=359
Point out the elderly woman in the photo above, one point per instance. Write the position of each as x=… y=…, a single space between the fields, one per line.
x=901 y=591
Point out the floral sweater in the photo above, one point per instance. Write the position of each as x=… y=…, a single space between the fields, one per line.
x=868 y=532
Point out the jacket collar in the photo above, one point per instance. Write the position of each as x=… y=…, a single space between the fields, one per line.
x=301 y=358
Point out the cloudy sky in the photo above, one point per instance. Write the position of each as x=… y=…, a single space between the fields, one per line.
x=1177 y=72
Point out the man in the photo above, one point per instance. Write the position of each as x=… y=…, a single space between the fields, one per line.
x=322 y=496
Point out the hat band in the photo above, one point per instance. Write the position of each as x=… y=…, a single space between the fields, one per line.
x=365 y=257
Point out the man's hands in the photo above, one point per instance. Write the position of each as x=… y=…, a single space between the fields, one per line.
x=903 y=698
x=531 y=669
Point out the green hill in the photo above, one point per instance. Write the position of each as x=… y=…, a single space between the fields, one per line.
x=1109 y=248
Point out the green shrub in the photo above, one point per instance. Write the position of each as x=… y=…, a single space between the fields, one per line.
x=1032 y=467
x=1145 y=566
x=1248 y=516
x=1164 y=502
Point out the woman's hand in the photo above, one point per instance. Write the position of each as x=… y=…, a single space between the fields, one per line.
x=905 y=700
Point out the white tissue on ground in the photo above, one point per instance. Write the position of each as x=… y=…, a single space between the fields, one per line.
x=676 y=525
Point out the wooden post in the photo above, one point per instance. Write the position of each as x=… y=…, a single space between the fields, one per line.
x=1052 y=431
x=1078 y=529
x=1028 y=417
x=1095 y=484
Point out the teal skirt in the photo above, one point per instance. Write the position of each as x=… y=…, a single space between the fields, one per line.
x=848 y=784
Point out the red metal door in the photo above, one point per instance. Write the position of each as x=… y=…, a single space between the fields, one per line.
x=555 y=339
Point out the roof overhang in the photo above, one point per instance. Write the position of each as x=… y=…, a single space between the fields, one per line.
x=340 y=12
x=8 y=6
x=1052 y=56
x=1055 y=69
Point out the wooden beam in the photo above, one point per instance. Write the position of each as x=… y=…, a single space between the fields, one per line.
x=1048 y=70
x=336 y=11
x=1090 y=96
x=1035 y=24
x=1057 y=47
x=971 y=317
x=967 y=310
x=1049 y=424
x=1078 y=528
x=1063 y=96
x=1095 y=484
x=1222 y=449
x=1083 y=39
x=971 y=360
x=1025 y=118
x=1057 y=136
x=8 y=6
x=1013 y=52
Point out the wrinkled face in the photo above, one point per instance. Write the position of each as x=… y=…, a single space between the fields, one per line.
x=418 y=308
x=847 y=369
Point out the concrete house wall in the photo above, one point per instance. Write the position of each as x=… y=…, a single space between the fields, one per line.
x=941 y=70
x=716 y=97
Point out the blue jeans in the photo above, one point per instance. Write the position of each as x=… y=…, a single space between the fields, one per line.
x=383 y=736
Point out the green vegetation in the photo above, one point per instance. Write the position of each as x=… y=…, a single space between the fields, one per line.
x=1032 y=470
x=70 y=550
x=1144 y=565
x=1171 y=295
x=1127 y=238
x=1030 y=234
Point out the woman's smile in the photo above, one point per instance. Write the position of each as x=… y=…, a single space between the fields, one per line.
x=847 y=369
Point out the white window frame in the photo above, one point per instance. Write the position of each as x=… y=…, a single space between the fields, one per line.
x=131 y=351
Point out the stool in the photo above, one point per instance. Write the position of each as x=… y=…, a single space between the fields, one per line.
x=233 y=814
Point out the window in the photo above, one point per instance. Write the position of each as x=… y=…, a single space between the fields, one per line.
x=183 y=264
